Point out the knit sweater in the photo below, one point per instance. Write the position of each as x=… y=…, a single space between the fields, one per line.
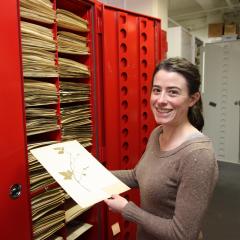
x=175 y=189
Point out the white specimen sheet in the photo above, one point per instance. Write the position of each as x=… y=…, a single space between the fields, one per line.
x=82 y=176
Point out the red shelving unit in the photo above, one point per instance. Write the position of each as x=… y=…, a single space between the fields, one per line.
x=16 y=221
x=132 y=48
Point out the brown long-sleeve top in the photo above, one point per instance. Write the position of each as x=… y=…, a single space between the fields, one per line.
x=175 y=189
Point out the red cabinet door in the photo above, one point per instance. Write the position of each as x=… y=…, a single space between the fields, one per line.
x=131 y=49
x=15 y=212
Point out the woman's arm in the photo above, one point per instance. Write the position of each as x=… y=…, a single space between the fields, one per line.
x=127 y=176
x=198 y=177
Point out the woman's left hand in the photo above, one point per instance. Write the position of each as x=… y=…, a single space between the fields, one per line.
x=116 y=203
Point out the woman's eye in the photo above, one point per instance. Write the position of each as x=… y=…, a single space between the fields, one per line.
x=173 y=92
x=156 y=90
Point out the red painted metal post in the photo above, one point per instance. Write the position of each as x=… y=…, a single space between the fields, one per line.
x=15 y=212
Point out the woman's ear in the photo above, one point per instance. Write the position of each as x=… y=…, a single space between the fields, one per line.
x=194 y=98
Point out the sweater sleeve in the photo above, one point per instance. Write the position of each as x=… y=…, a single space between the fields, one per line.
x=197 y=179
x=127 y=176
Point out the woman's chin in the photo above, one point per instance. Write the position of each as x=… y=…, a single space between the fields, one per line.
x=162 y=122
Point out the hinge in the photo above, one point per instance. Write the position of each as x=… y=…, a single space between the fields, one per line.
x=99 y=23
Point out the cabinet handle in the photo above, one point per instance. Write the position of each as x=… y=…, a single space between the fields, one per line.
x=15 y=191
x=237 y=103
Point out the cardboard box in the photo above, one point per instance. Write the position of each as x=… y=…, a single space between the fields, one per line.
x=215 y=30
x=230 y=29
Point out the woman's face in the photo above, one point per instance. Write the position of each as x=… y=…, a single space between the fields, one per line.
x=170 y=99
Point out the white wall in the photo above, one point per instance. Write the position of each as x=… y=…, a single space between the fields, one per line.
x=115 y=3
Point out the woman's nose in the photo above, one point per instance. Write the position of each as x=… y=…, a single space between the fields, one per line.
x=162 y=98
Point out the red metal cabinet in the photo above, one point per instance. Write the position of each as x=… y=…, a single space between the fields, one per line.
x=16 y=222
x=131 y=49
x=15 y=213
x=164 y=44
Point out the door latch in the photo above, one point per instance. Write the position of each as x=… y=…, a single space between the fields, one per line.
x=15 y=191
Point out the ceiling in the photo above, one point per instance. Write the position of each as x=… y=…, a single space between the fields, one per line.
x=196 y=14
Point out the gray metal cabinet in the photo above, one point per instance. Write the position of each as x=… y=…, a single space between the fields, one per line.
x=221 y=96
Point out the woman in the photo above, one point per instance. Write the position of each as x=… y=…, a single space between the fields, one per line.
x=178 y=170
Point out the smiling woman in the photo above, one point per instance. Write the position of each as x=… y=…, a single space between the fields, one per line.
x=176 y=100
x=178 y=170
x=170 y=99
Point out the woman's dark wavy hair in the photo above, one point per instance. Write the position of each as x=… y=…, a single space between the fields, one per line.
x=191 y=73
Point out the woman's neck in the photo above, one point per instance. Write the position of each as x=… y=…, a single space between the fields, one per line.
x=172 y=137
